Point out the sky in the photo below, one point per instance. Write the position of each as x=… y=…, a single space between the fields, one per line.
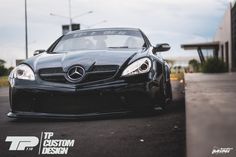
x=163 y=21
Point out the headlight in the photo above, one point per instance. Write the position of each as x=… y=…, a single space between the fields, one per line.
x=23 y=72
x=138 y=67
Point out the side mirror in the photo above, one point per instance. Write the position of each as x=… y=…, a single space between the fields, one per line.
x=161 y=48
x=37 y=52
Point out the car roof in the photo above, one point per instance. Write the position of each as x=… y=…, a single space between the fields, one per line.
x=102 y=29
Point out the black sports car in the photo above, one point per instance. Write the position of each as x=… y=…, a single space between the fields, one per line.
x=91 y=72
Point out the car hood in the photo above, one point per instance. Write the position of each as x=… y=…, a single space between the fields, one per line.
x=83 y=58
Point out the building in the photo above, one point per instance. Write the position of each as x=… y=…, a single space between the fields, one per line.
x=224 y=41
x=233 y=36
x=224 y=37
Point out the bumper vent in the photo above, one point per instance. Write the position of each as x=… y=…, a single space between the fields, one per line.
x=96 y=73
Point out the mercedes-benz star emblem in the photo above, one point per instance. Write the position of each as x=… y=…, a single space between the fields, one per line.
x=75 y=73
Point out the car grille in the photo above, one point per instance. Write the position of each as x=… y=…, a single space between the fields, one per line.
x=96 y=73
x=104 y=68
x=52 y=75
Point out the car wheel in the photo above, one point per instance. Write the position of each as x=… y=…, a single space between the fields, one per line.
x=169 y=92
x=165 y=95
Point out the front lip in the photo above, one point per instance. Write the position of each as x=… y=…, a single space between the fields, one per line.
x=63 y=116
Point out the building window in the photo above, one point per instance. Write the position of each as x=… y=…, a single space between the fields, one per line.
x=222 y=52
x=227 y=53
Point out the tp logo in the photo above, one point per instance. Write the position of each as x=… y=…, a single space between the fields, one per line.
x=22 y=142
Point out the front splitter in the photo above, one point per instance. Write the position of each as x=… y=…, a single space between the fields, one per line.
x=63 y=116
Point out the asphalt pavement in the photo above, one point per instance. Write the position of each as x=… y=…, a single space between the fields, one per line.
x=145 y=134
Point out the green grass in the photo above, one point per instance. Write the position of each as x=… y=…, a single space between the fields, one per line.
x=177 y=76
x=3 y=81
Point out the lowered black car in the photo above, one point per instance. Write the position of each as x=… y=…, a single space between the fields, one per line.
x=91 y=72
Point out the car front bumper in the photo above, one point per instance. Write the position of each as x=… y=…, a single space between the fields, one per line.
x=50 y=100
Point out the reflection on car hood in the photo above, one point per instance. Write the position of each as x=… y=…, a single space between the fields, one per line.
x=84 y=58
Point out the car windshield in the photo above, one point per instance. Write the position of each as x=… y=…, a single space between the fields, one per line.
x=100 y=40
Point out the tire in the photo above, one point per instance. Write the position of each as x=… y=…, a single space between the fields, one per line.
x=165 y=94
x=162 y=96
x=169 y=91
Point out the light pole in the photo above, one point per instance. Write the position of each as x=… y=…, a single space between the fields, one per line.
x=70 y=15
x=26 y=31
x=71 y=18
x=70 y=27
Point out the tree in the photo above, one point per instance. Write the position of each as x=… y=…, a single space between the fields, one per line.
x=179 y=68
x=195 y=65
x=214 y=65
x=3 y=70
x=2 y=62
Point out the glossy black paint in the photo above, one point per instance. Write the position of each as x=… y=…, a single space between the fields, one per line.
x=114 y=94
